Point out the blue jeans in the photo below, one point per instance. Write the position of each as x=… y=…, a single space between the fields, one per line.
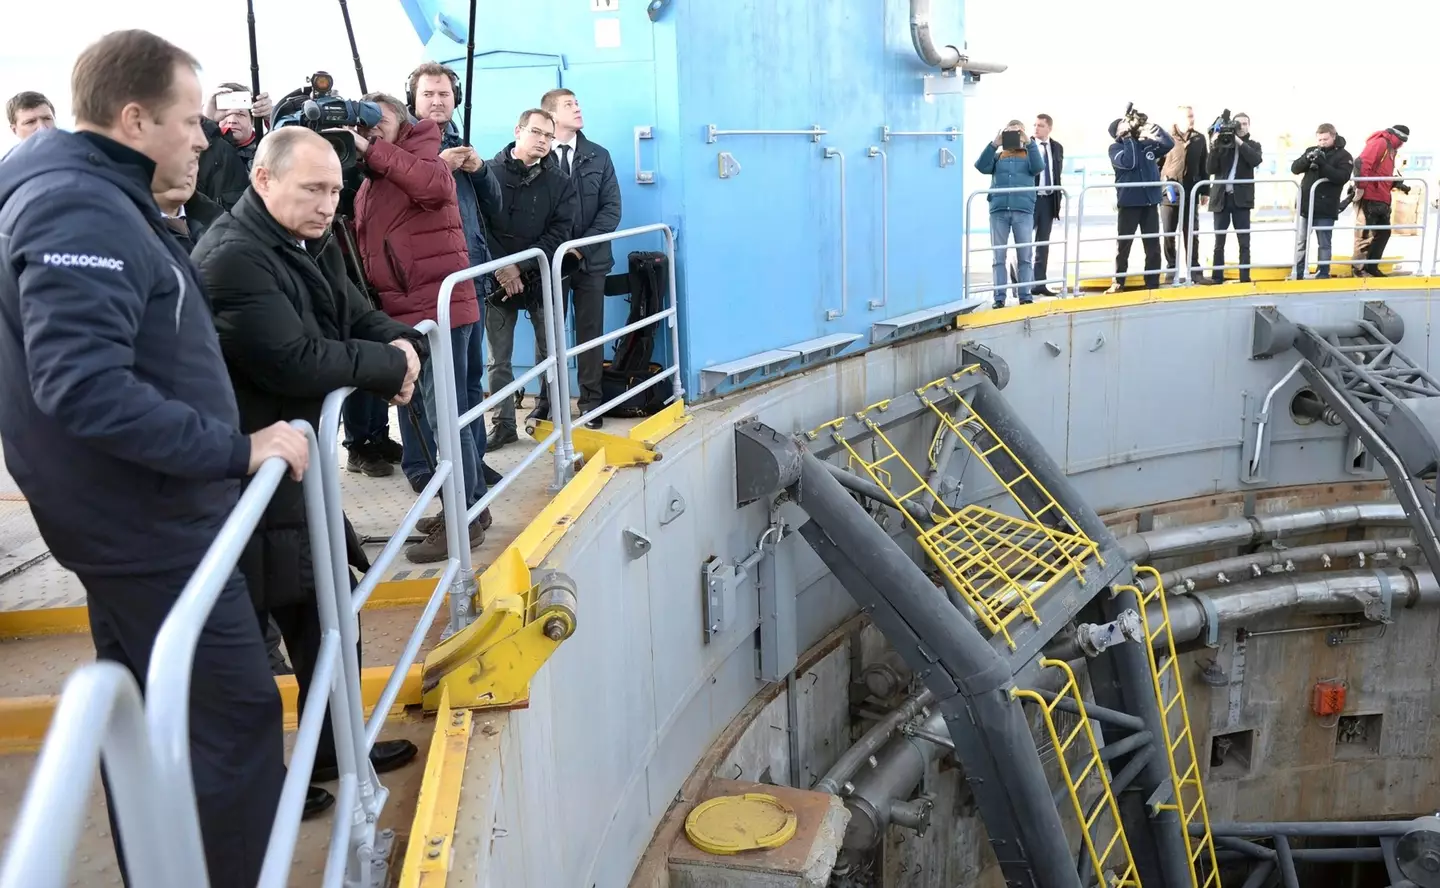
x=1003 y=223
x=367 y=420
x=1324 y=234
x=467 y=347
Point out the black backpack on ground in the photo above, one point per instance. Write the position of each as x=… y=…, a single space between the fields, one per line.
x=646 y=283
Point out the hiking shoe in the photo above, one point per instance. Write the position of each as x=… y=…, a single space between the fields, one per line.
x=500 y=435
x=418 y=482
x=433 y=523
x=491 y=476
x=389 y=450
x=433 y=547
x=364 y=461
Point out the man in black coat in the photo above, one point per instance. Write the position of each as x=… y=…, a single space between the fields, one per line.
x=589 y=166
x=1326 y=167
x=1047 y=203
x=1233 y=159
x=293 y=328
x=538 y=209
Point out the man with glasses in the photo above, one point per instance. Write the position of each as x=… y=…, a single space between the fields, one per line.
x=538 y=207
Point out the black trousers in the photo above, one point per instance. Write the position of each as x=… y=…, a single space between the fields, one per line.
x=1044 y=224
x=1147 y=221
x=1172 y=220
x=1239 y=219
x=585 y=292
x=237 y=750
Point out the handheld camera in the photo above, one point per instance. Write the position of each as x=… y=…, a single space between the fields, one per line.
x=317 y=107
x=1225 y=128
x=1136 y=119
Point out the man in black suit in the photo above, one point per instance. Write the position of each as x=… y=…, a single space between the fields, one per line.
x=1047 y=203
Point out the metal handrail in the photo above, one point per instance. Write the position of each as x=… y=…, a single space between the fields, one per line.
x=561 y=402
x=1064 y=240
x=99 y=716
x=1195 y=219
x=1422 y=227
x=1182 y=257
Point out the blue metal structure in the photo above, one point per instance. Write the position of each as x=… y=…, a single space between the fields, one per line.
x=781 y=237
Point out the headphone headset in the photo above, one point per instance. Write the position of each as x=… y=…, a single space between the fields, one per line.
x=414 y=75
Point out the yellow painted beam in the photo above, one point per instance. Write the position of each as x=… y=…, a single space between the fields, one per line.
x=540 y=536
x=621 y=451
x=430 y=851
x=654 y=429
x=76 y=620
x=24 y=720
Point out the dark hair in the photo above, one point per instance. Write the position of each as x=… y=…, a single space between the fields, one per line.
x=396 y=106
x=1049 y=121
x=233 y=86
x=431 y=69
x=28 y=100
x=553 y=97
x=525 y=118
x=1326 y=128
x=124 y=67
x=1239 y=114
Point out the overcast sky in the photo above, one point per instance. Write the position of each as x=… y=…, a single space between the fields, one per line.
x=1290 y=65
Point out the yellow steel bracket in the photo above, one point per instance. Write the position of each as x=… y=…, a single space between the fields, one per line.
x=432 y=833
x=637 y=448
x=490 y=663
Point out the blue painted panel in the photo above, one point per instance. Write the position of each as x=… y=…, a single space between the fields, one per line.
x=759 y=264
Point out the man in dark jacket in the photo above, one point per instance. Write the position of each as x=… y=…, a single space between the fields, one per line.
x=1372 y=204
x=433 y=93
x=1183 y=169
x=187 y=213
x=598 y=191
x=1135 y=157
x=1326 y=167
x=119 y=421
x=1233 y=159
x=539 y=206
x=294 y=328
x=407 y=222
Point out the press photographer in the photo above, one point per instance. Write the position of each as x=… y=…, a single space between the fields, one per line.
x=1233 y=156
x=1372 y=205
x=1328 y=164
x=407 y=222
x=233 y=123
x=1136 y=156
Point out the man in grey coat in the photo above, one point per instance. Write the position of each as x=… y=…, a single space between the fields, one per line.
x=589 y=165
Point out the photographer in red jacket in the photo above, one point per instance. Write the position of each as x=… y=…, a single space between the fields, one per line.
x=407 y=222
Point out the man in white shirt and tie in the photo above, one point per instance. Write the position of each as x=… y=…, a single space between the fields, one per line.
x=1047 y=203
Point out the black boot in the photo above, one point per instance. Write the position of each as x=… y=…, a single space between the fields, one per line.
x=387 y=755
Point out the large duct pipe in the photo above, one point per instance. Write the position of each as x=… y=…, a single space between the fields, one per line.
x=1172 y=541
x=869 y=744
x=882 y=791
x=946 y=57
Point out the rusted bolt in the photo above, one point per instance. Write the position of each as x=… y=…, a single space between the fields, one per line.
x=555 y=629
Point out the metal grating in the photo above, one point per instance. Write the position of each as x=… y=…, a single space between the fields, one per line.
x=1002 y=565
x=1114 y=864
x=1188 y=795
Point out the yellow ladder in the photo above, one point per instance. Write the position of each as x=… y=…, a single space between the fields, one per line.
x=1188 y=796
x=1000 y=564
x=1116 y=854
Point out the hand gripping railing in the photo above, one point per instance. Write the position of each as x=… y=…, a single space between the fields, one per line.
x=1422 y=226
x=450 y=422
x=560 y=405
x=1195 y=220
x=1064 y=242
x=1183 y=261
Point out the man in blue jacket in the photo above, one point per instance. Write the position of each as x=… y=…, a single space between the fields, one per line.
x=1136 y=155
x=118 y=419
x=1012 y=166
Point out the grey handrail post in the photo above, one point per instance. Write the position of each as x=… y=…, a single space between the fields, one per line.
x=100 y=711
x=447 y=446
x=565 y=447
x=370 y=795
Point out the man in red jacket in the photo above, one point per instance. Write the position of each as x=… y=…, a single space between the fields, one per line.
x=407 y=222
x=1372 y=199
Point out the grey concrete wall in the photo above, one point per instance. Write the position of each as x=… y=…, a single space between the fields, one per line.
x=1144 y=404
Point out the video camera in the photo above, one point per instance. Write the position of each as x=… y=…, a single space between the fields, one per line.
x=1136 y=119
x=1225 y=129
x=317 y=107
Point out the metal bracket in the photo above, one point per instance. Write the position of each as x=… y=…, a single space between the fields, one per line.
x=946 y=158
x=643 y=177
x=636 y=543
x=1212 y=621
x=674 y=506
x=720 y=582
x=729 y=167
x=655 y=8
x=1096 y=639
x=1378 y=609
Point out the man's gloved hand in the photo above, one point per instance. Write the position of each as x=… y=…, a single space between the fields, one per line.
x=1402 y=187
x=1155 y=132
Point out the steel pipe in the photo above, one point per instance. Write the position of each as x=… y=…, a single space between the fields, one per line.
x=1282 y=557
x=869 y=744
x=870 y=490
x=1188 y=540
x=889 y=783
x=1303 y=828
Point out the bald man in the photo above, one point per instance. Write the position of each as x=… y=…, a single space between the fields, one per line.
x=293 y=328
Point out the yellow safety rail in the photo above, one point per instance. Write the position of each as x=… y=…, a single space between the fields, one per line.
x=1189 y=795
x=1000 y=564
x=1114 y=866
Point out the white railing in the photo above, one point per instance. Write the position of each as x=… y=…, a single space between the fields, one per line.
x=1001 y=286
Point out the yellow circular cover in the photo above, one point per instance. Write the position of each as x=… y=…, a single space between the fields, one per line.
x=731 y=824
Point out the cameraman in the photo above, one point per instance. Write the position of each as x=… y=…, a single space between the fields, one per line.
x=1135 y=156
x=1233 y=156
x=411 y=237
x=233 y=135
x=1183 y=169
x=1372 y=205
x=1329 y=164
